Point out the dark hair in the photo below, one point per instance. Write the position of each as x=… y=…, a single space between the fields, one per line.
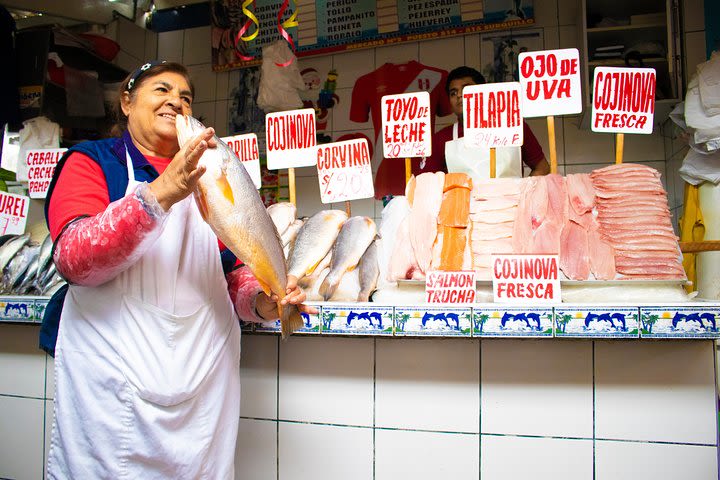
x=462 y=72
x=140 y=78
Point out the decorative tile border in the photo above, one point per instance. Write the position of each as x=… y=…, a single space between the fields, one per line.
x=500 y=321
x=433 y=321
x=700 y=320
x=675 y=321
x=596 y=322
x=357 y=319
x=18 y=310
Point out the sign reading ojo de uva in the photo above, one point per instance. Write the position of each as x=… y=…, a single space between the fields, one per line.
x=526 y=279
x=550 y=82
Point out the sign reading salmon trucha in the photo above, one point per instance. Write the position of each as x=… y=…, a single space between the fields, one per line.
x=450 y=287
x=550 y=82
x=246 y=149
x=491 y=115
x=526 y=279
x=344 y=171
x=623 y=100
x=291 y=139
x=406 y=125
x=41 y=166
x=13 y=213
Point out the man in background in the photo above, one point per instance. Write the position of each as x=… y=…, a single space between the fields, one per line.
x=450 y=153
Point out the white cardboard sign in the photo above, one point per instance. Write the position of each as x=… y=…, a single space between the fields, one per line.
x=450 y=287
x=291 y=139
x=525 y=279
x=247 y=151
x=344 y=171
x=406 y=125
x=13 y=213
x=623 y=100
x=41 y=166
x=550 y=82
x=491 y=115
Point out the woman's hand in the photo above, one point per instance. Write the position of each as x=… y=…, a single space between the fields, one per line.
x=267 y=307
x=181 y=176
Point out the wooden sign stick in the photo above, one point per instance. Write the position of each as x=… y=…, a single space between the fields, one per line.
x=347 y=208
x=619 y=147
x=408 y=170
x=291 y=184
x=493 y=163
x=551 y=139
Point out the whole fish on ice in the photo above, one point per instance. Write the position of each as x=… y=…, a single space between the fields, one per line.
x=314 y=241
x=231 y=205
x=355 y=237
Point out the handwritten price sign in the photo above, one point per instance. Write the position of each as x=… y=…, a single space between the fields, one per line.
x=344 y=171
x=406 y=125
x=491 y=115
x=246 y=149
x=13 y=213
x=550 y=82
x=623 y=100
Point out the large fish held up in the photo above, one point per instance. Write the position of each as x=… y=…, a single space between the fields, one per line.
x=230 y=204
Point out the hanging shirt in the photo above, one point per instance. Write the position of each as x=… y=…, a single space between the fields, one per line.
x=392 y=79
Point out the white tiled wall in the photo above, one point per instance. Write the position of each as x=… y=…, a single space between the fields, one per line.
x=361 y=408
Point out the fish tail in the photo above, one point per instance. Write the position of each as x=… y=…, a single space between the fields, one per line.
x=363 y=296
x=328 y=287
x=290 y=319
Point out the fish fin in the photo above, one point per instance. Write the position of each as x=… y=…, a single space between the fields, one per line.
x=351 y=268
x=328 y=287
x=225 y=188
x=265 y=287
x=290 y=319
x=363 y=297
x=202 y=203
x=311 y=268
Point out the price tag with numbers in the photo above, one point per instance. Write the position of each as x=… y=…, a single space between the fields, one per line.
x=13 y=213
x=406 y=127
x=344 y=171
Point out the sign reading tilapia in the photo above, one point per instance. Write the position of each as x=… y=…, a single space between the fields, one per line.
x=230 y=204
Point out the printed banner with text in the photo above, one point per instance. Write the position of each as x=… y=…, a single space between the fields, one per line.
x=241 y=28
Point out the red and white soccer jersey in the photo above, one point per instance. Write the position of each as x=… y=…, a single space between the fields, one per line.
x=391 y=79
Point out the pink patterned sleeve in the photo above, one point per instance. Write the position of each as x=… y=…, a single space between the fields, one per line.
x=244 y=289
x=93 y=250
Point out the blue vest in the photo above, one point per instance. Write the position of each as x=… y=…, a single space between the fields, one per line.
x=110 y=155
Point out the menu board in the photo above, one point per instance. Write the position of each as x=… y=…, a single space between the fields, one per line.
x=328 y=26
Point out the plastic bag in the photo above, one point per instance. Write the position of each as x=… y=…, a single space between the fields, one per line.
x=279 y=85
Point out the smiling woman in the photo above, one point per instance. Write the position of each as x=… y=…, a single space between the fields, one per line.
x=146 y=331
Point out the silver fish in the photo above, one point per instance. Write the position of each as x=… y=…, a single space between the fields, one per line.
x=26 y=280
x=354 y=238
x=18 y=266
x=282 y=215
x=314 y=241
x=45 y=253
x=42 y=278
x=12 y=247
x=229 y=202
x=309 y=280
x=54 y=286
x=288 y=238
x=369 y=272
